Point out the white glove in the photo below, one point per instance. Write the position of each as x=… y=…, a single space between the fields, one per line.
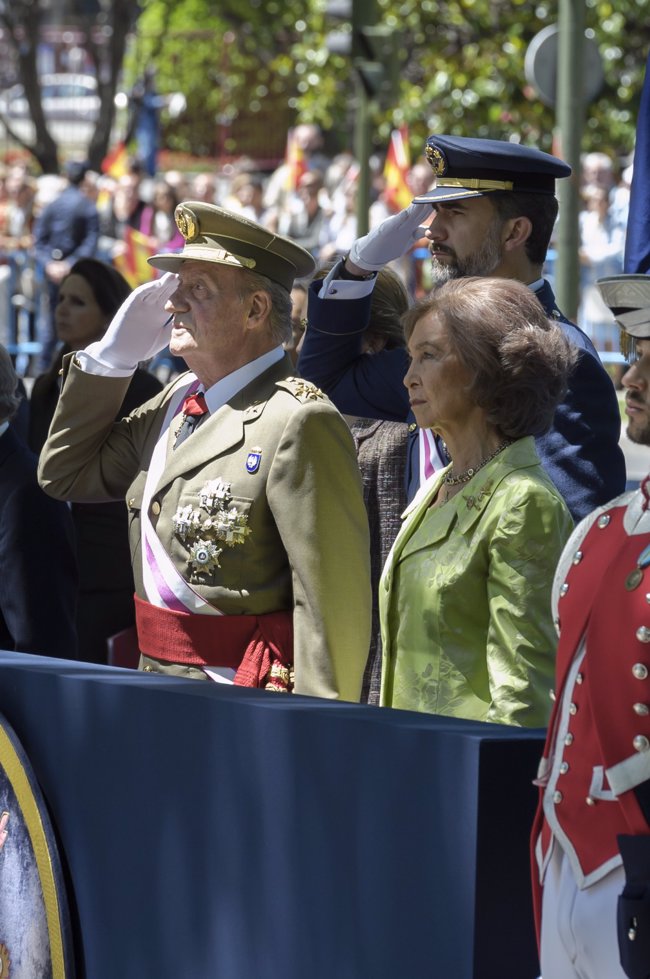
x=140 y=328
x=391 y=239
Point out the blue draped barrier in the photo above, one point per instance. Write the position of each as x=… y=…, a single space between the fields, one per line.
x=222 y=833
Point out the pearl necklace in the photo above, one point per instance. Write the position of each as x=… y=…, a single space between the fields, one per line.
x=464 y=477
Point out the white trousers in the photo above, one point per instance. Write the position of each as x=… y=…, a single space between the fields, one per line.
x=579 y=938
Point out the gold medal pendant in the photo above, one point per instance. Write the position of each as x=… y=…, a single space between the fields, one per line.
x=634 y=579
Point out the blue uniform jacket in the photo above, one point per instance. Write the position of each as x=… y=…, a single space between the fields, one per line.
x=580 y=453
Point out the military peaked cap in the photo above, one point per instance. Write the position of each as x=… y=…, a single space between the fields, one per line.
x=213 y=234
x=466 y=167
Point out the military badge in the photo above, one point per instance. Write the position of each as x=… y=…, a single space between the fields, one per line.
x=304 y=390
x=204 y=556
x=214 y=494
x=253 y=460
x=635 y=576
x=437 y=161
x=216 y=521
x=186 y=222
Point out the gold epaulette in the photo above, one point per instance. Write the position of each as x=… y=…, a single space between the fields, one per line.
x=302 y=390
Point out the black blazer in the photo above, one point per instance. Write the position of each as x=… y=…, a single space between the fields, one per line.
x=38 y=573
x=105 y=600
x=101 y=529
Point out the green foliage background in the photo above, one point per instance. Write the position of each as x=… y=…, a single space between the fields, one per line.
x=249 y=68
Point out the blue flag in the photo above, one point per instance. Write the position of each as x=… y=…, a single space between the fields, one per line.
x=637 y=240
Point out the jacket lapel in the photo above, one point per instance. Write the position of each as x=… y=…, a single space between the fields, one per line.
x=466 y=508
x=224 y=429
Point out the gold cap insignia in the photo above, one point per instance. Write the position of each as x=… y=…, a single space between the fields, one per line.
x=436 y=160
x=186 y=222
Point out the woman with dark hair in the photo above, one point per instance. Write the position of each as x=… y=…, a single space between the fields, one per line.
x=465 y=593
x=88 y=298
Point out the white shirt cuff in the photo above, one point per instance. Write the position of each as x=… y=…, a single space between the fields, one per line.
x=90 y=365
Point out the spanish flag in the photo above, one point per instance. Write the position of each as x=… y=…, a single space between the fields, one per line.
x=398 y=161
x=115 y=162
x=133 y=262
x=295 y=163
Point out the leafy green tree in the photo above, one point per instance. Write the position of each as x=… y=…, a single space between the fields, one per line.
x=23 y=23
x=250 y=68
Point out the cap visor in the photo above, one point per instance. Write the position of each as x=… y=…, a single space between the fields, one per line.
x=447 y=194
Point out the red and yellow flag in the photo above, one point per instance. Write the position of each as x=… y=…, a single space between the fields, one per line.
x=115 y=163
x=133 y=262
x=294 y=159
x=398 y=161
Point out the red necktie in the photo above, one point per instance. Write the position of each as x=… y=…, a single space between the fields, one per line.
x=194 y=408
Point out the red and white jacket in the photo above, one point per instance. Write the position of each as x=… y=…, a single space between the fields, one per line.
x=598 y=744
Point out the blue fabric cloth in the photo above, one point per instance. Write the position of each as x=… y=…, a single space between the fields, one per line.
x=232 y=833
x=580 y=453
x=637 y=241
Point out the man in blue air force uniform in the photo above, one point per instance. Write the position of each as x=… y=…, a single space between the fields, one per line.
x=494 y=208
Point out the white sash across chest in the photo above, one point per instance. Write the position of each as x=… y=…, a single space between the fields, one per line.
x=164 y=586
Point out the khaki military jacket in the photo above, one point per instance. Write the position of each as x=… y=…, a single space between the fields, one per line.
x=300 y=537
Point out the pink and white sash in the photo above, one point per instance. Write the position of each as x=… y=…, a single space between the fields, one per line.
x=163 y=584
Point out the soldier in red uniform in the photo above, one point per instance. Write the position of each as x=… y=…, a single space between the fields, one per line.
x=591 y=839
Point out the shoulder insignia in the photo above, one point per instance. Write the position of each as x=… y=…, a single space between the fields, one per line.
x=302 y=390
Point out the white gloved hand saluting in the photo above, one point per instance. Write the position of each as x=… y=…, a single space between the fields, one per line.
x=391 y=239
x=140 y=328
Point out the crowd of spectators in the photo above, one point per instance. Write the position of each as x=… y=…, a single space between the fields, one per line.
x=313 y=202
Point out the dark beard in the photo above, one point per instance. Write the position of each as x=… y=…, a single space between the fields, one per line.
x=640 y=435
x=481 y=262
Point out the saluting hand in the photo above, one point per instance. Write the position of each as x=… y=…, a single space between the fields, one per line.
x=391 y=239
x=141 y=327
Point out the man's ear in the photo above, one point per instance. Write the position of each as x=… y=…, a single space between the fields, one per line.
x=517 y=232
x=259 y=308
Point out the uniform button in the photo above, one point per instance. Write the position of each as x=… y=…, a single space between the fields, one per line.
x=579 y=678
x=642 y=710
x=590 y=801
x=131 y=503
x=564 y=768
x=647 y=597
x=577 y=557
x=604 y=520
x=573 y=709
x=557 y=796
x=640 y=671
x=147 y=669
x=155 y=508
x=551 y=694
x=564 y=589
x=568 y=740
x=641 y=743
x=643 y=633
x=412 y=427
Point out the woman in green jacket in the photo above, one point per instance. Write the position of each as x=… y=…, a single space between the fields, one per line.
x=465 y=594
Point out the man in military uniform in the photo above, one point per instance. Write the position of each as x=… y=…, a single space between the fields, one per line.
x=591 y=840
x=248 y=528
x=494 y=208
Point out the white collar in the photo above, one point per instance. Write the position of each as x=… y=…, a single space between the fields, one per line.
x=225 y=389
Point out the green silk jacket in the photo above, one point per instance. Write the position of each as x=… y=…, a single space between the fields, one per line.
x=465 y=596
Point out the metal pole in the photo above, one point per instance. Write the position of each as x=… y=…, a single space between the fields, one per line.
x=571 y=120
x=362 y=152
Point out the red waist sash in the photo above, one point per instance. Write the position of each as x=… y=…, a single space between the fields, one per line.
x=258 y=647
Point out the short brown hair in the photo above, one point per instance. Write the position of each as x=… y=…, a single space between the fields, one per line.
x=519 y=359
